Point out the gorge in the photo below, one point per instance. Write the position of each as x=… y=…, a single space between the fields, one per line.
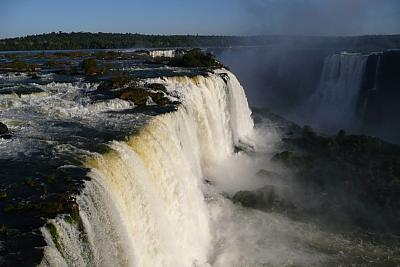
x=356 y=91
x=137 y=158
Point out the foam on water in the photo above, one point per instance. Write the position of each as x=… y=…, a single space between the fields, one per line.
x=58 y=114
x=148 y=203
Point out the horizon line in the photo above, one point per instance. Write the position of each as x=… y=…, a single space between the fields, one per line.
x=204 y=35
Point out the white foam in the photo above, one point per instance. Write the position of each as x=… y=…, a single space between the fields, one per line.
x=162 y=53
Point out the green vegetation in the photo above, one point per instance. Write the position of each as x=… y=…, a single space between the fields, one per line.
x=108 y=55
x=57 y=64
x=54 y=235
x=140 y=95
x=19 y=206
x=118 y=80
x=86 y=40
x=363 y=167
x=135 y=94
x=18 y=65
x=89 y=66
x=49 y=208
x=30 y=182
x=126 y=87
x=195 y=58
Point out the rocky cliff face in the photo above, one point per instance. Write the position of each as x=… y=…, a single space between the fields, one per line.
x=357 y=91
x=381 y=95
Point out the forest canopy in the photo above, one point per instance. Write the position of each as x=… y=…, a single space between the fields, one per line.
x=87 y=40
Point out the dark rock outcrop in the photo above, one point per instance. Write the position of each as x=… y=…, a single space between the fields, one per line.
x=265 y=199
x=3 y=128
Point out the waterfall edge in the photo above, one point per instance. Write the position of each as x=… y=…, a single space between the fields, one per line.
x=144 y=205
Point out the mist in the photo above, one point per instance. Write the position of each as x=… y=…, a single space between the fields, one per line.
x=265 y=74
x=326 y=17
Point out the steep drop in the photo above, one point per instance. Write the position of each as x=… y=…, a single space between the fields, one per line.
x=334 y=104
x=145 y=204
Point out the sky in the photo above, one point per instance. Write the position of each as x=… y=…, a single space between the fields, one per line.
x=206 y=17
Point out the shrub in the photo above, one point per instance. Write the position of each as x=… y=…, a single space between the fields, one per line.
x=89 y=66
x=195 y=58
x=136 y=95
x=118 y=80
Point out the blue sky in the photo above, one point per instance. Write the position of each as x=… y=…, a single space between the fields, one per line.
x=228 y=17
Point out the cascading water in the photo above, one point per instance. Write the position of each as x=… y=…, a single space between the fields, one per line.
x=162 y=53
x=334 y=103
x=163 y=197
x=145 y=204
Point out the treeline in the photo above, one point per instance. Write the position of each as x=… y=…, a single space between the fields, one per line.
x=86 y=40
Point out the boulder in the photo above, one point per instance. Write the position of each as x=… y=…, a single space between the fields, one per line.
x=264 y=198
x=3 y=128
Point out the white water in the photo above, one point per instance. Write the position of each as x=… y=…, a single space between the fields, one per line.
x=334 y=104
x=162 y=53
x=148 y=203
x=145 y=205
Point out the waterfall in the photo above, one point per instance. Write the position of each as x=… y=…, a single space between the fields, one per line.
x=376 y=77
x=144 y=204
x=334 y=103
x=162 y=53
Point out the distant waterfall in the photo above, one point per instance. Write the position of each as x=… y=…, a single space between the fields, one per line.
x=334 y=103
x=162 y=53
x=144 y=205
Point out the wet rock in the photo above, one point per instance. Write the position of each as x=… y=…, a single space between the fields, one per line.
x=269 y=175
x=159 y=99
x=224 y=77
x=21 y=90
x=118 y=80
x=293 y=160
x=34 y=76
x=136 y=95
x=3 y=128
x=264 y=198
x=157 y=87
x=72 y=208
x=140 y=96
x=50 y=207
x=19 y=66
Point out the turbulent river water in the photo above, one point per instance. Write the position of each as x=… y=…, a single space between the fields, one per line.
x=162 y=196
